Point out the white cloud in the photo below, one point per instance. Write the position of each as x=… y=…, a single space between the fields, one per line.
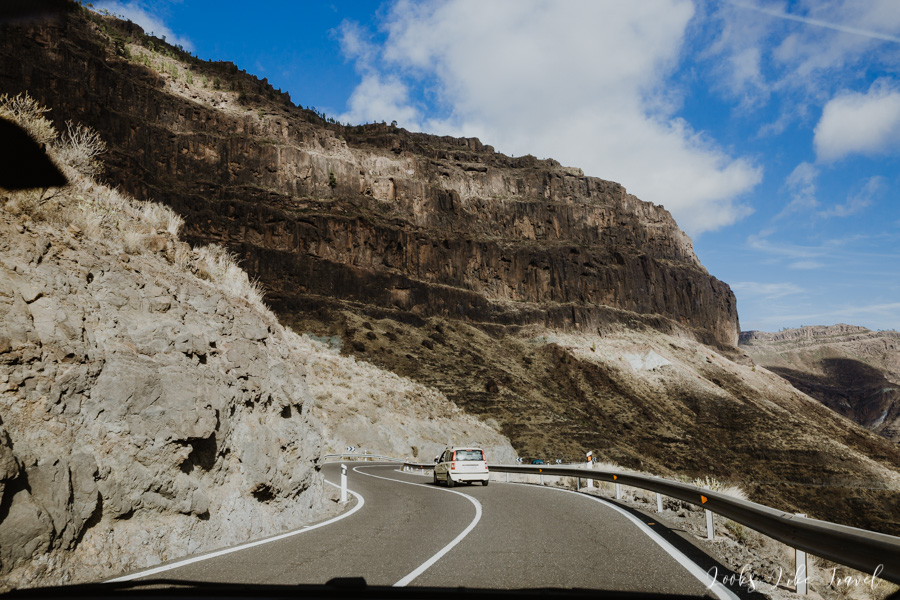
x=377 y=96
x=860 y=123
x=789 y=251
x=582 y=82
x=149 y=22
x=806 y=265
x=869 y=33
x=801 y=185
x=355 y=46
x=800 y=57
x=858 y=201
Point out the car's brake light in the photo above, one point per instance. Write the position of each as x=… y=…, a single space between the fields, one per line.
x=453 y=466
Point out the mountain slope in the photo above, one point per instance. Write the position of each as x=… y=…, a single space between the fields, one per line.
x=851 y=370
x=408 y=222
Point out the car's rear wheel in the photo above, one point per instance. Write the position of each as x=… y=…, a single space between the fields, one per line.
x=449 y=481
x=484 y=482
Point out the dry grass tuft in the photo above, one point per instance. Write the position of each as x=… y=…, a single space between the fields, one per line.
x=161 y=218
x=729 y=489
x=606 y=466
x=79 y=148
x=29 y=114
x=218 y=265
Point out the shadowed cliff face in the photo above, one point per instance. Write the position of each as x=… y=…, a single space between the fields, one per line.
x=374 y=215
x=851 y=388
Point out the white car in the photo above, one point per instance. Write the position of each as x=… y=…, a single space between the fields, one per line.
x=463 y=464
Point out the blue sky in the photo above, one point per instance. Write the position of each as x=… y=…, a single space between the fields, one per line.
x=770 y=130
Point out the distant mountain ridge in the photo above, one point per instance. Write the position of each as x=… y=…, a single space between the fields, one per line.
x=853 y=370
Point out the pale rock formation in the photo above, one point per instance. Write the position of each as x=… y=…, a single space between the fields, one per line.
x=145 y=413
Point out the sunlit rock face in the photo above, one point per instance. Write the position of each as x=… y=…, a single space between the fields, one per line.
x=146 y=414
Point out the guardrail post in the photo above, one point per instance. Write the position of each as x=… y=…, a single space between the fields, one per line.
x=542 y=479
x=618 y=491
x=578 y=484
x=658 y=502
x=343 y=483
x=801 y=572
x=590 y=482
x=507 y=477
x=710 y=528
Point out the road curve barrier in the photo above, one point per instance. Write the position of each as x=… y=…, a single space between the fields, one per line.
x=358 y=456
x=860 y=549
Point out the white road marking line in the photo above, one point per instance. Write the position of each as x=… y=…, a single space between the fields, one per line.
x=693 y=568
x=410 y=472
x=188 y=561
x=427 y=564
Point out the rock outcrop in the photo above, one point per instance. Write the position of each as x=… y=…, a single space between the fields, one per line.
x=374 y=215
x=145 y=414
x=850 y=369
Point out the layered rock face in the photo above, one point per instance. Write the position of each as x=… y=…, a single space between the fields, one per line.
x=373 y=215
x=852 y=370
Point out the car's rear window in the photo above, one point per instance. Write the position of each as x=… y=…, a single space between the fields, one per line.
x=469 y=455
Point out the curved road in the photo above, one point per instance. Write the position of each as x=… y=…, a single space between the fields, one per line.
x=401 y=529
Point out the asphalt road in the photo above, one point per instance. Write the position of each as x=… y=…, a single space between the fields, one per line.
x=411 y=532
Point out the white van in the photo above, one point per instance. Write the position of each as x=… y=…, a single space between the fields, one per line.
x=462 y=464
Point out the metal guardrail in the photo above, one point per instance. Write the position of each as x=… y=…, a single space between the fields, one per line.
x=363 y=456
x=857 y=548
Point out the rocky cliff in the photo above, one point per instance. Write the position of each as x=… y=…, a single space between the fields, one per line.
x=852 y=370
x=374 y=215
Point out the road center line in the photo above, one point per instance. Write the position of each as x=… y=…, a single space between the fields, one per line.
x=427 y=564
x=716 y=587
x=189 y=561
